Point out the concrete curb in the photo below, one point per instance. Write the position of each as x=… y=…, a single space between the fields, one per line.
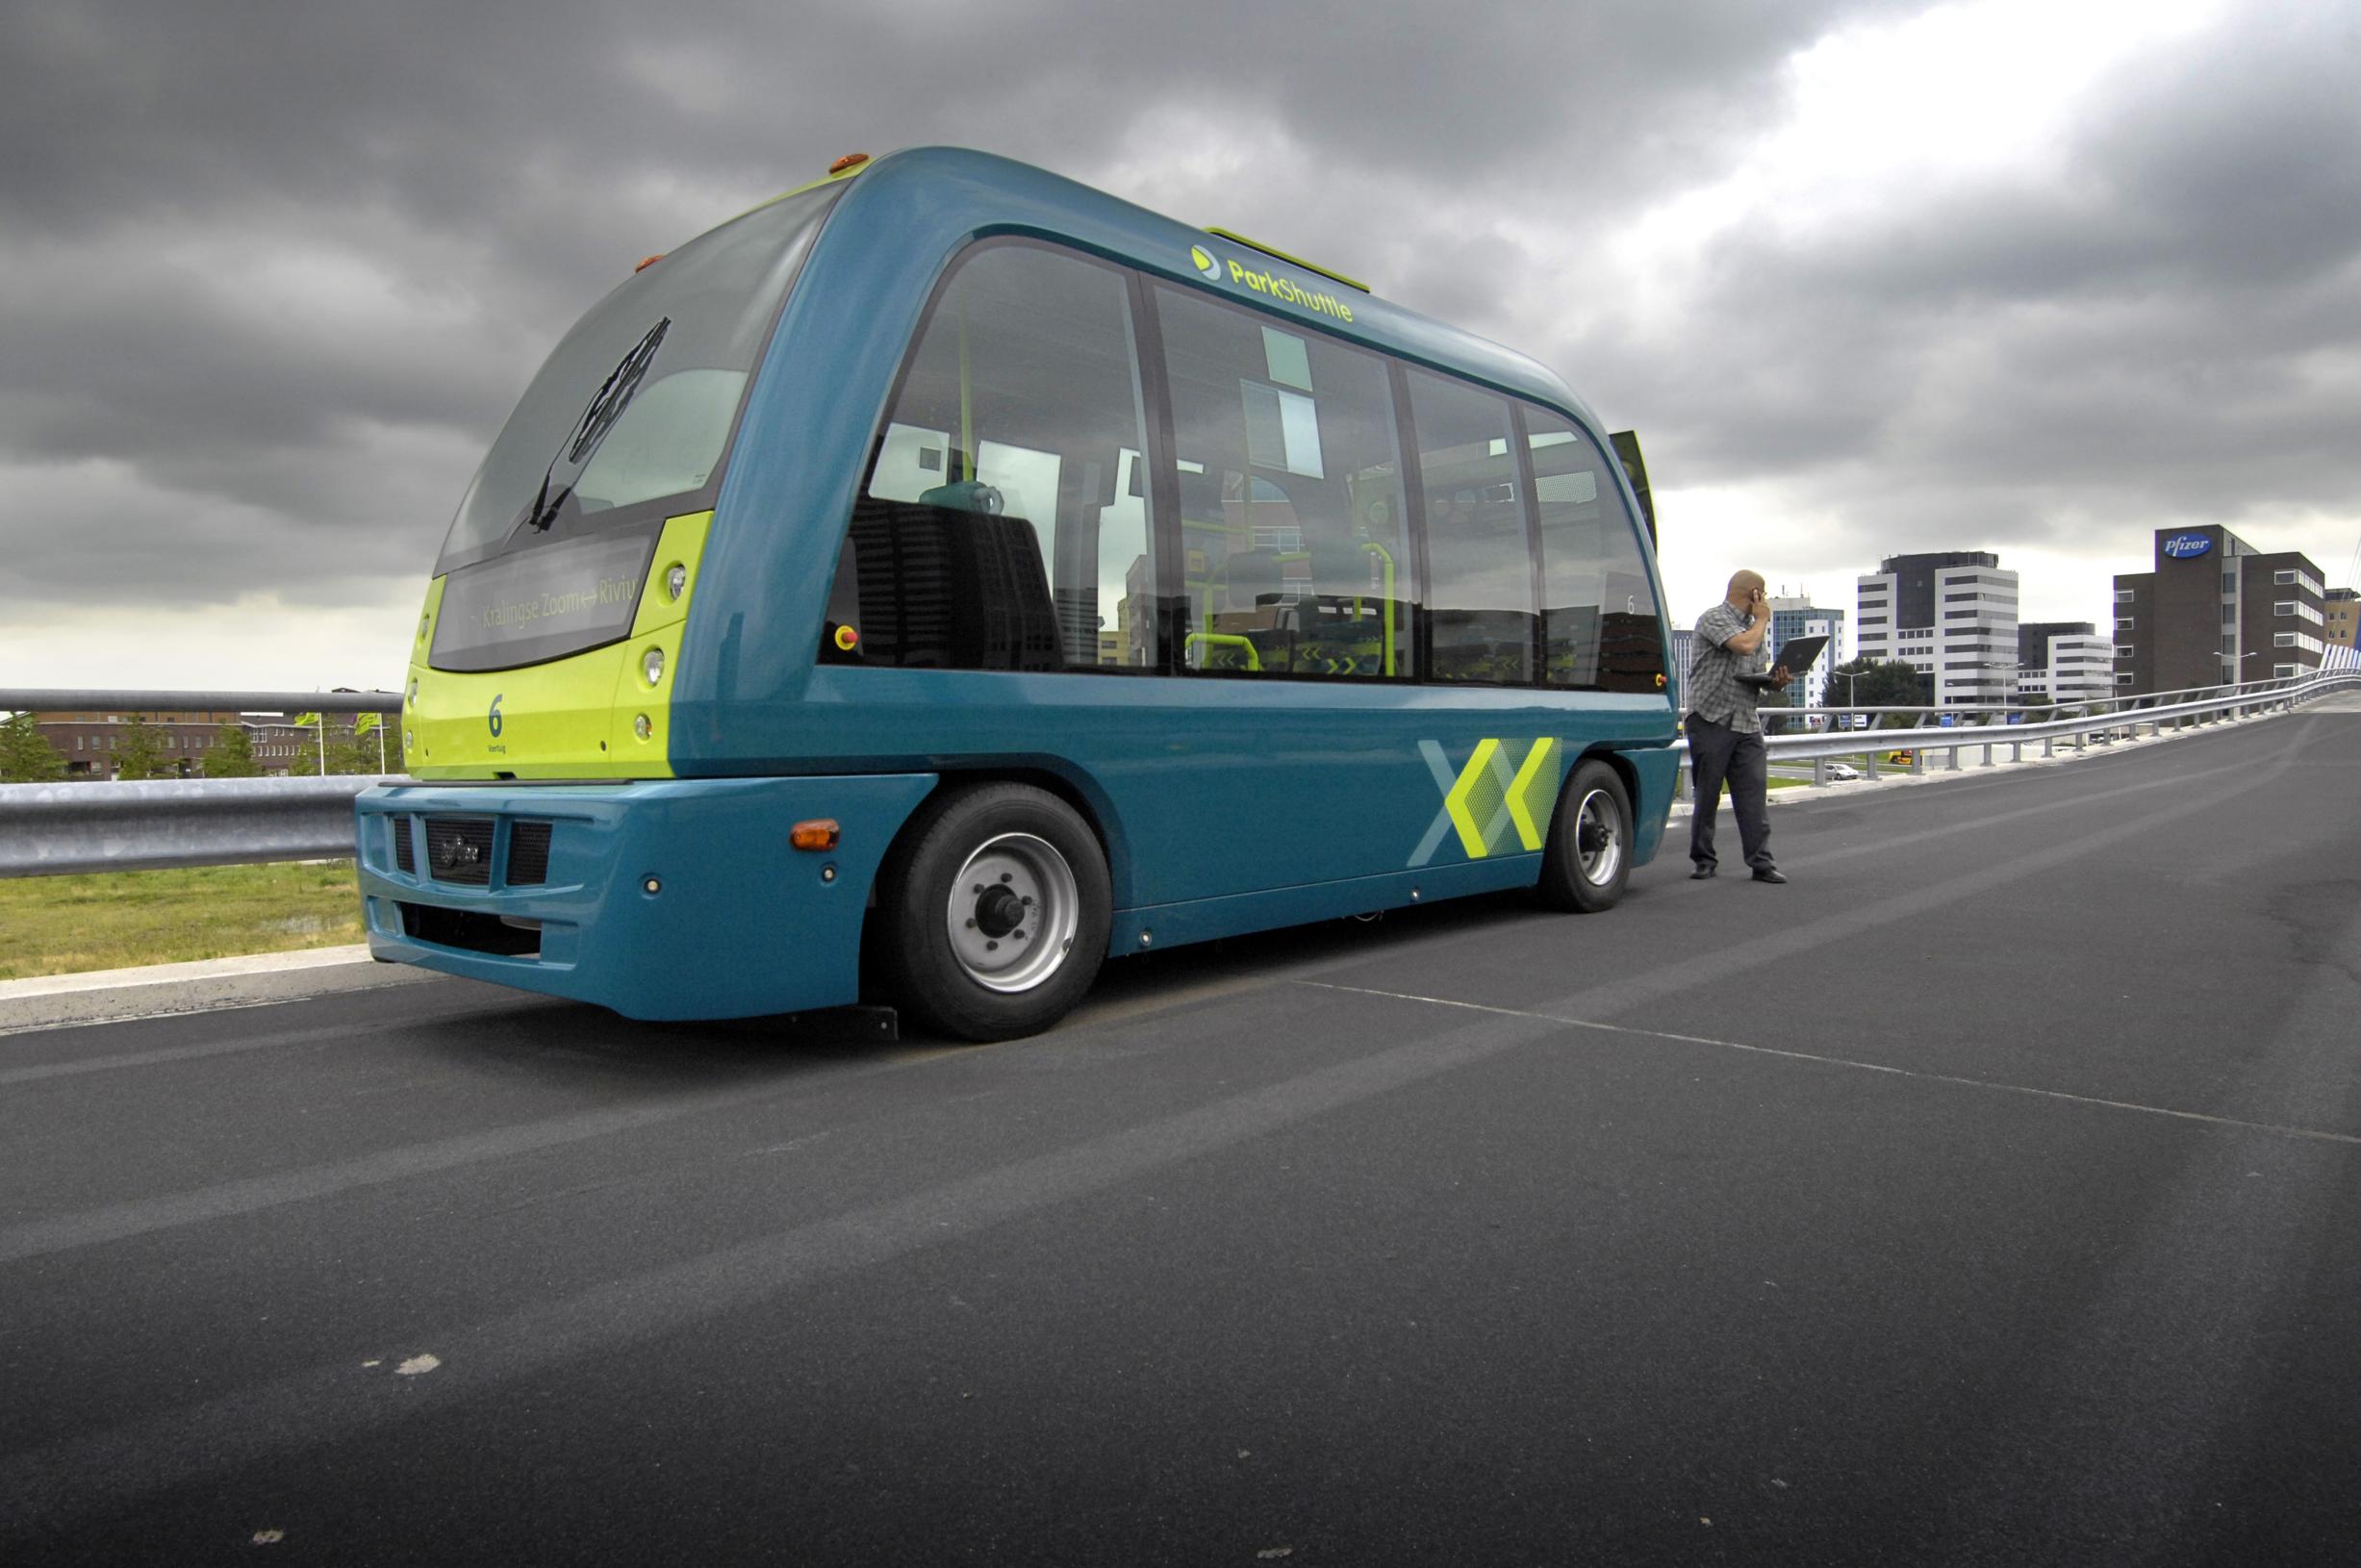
x=109 y=994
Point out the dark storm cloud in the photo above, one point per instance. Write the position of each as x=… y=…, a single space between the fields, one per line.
x=275 y=258
x=2164 y=322
x=278 y=272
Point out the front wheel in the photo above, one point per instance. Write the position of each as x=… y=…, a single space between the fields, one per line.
x=994 y=911
x=1588 y=855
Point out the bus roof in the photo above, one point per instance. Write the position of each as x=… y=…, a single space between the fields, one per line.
x=969 y=196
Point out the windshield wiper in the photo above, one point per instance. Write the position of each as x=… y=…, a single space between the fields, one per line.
x=606 y=406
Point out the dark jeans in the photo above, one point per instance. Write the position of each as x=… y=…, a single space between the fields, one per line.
x=1717 y=752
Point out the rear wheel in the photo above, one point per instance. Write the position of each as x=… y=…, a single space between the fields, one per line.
x=1588 y=855
x=994 y=912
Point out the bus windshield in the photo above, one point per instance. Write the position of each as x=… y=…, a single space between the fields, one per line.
x=637 y=402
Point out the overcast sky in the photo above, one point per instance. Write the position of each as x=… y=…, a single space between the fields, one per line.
x=2029 y=277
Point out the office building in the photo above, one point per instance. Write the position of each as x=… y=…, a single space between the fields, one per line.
x=1796 y=615
x=1949 y=616
x=1684 y=644
x=91 y=743
x=2338 y=606
x=2216 y=611
x=2064 y=661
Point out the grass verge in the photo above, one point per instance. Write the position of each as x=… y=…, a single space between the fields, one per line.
x=115 y=919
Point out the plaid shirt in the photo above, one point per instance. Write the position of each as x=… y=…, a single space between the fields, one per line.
x=1715 y=691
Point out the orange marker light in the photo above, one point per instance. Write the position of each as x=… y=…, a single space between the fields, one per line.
x=848 y=638
x=850 y=160
x=817 y=834
x=1659 y=682
x=647 y=262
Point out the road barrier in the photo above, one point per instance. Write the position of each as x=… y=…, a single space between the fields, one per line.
x=1987 y=729
x=79 y=699
x=49 y=829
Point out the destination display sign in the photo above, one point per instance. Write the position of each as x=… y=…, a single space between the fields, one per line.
x=542 y=603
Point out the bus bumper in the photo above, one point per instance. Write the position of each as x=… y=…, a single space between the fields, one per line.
x=672 y=899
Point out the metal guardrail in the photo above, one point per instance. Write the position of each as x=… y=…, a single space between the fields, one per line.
x=2219 y=703
x=89 y=700
x=49 y=829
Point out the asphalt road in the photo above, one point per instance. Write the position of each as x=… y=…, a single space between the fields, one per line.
x=1988 y=1195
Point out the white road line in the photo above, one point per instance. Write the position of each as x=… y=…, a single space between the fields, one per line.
x=1846 y=1061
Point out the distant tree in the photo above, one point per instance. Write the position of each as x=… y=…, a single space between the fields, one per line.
x=233 y=755
x=350 y=754
x=359 y=749
x=26 y=757
x=309 y=748
x=139 y=752
x=1892 y=684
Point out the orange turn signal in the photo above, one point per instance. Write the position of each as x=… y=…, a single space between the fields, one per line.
x=850 y=160
x=848 y=638
x=820 y=833
x=647 y=262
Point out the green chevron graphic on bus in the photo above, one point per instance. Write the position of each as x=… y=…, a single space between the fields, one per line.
x=1486 y=801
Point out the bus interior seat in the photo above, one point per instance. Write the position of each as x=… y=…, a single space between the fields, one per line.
x=966 y=588
x=1252 y=577
x=1009 y=611
x=965 y=496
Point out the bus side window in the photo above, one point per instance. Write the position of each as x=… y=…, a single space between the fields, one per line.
x=1601 y=624
x=1295 y=555
x=1480 y=607
x=1000 y=524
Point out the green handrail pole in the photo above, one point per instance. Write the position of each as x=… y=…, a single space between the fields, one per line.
x=967 y=409
x=1388 y=560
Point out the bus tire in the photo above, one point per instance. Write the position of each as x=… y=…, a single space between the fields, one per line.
x=996 y=908
x=1588 y=855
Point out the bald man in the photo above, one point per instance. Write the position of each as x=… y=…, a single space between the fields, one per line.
x=1725 y=735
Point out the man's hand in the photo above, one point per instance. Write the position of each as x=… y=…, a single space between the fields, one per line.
x=1779 y=676
x=1758 y=607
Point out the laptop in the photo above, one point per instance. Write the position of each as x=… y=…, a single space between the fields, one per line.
x=1799 y=654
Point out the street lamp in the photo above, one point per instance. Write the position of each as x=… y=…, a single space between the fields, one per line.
x=1852 y=684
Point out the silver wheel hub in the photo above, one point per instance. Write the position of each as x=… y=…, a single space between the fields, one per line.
x=1012 y=913
x=1598 y=839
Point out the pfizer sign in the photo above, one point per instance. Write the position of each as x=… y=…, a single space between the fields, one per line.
x=2184 y=546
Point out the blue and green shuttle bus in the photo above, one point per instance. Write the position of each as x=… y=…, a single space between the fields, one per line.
x=946 y=576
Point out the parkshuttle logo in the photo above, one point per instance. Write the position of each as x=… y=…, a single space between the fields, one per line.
x=2188 y=547
x=1276 y=285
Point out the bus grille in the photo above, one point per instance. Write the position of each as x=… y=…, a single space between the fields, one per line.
x=404 y=856
x=459 y=850
x=528 y=854
x=466 y=930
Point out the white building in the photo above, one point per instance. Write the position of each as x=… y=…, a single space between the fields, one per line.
x=2064 y=661
x=1794 y=615
x=1951 y=616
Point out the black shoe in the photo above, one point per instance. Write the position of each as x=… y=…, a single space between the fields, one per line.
x=1769 y=873
x=1701 y=874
